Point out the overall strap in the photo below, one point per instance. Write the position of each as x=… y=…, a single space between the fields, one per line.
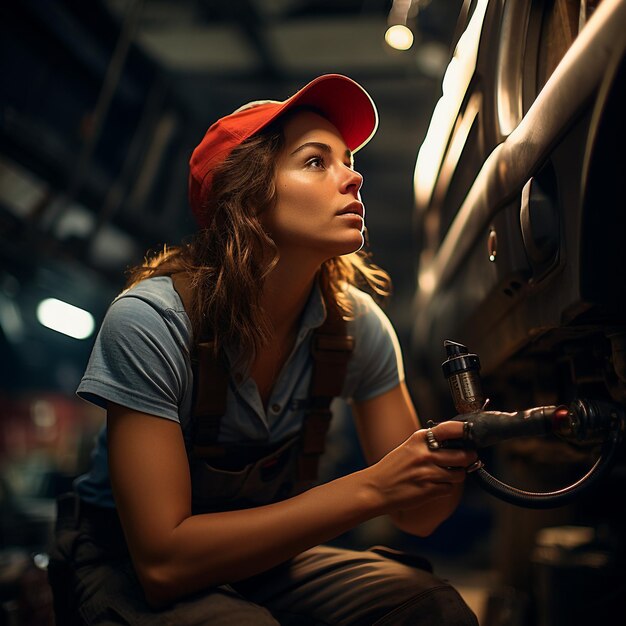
x=331 y=348
x=209 y=397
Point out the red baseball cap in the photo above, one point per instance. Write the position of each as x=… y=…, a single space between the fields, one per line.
x=340 y=99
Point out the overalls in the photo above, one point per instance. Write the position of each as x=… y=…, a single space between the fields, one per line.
x=94 y=582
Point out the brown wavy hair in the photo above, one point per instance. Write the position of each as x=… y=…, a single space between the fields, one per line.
x=227 y=263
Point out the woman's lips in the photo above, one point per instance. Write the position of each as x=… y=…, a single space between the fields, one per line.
x=354 y=208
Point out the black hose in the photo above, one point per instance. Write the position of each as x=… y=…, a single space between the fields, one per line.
x=584 y=420
x=559 y=497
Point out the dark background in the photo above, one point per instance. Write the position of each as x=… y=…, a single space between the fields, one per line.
x=101 y=104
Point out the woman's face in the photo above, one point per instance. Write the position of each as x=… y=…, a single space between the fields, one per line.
x=318 y=210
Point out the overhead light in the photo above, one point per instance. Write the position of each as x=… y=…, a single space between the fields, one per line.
x=65 y=318
x=399 y=37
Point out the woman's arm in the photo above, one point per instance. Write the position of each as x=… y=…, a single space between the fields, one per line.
x=388 y=420
x=176 y=553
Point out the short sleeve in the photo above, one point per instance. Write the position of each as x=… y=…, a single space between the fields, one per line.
x=376 y=365
x=138 y=361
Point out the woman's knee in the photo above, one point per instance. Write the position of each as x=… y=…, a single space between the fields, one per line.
x=410 y=594
x=434 y=606
x=359 y=588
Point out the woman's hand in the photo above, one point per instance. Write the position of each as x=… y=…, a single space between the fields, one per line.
x=412 y=474
x=413 y=484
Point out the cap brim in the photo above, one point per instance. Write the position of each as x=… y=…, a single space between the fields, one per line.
x=342 y=101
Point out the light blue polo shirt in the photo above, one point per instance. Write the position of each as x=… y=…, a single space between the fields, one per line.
x=141 y=360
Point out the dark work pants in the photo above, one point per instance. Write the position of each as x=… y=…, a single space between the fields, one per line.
x=93 y=582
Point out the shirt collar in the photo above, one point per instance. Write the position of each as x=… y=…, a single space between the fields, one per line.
x=314 y=312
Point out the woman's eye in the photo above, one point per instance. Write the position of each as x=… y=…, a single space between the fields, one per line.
x=315 y=162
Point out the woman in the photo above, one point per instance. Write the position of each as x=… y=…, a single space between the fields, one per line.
x=183 y=523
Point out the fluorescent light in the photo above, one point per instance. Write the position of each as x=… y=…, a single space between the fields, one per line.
x=65 y=318
x=399 y=37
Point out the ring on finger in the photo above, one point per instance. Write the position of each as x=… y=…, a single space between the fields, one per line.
x=431 y=440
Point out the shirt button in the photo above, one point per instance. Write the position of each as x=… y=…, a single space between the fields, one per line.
x=275 y=408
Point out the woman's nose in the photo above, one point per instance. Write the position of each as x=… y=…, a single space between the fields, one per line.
x=352 y=181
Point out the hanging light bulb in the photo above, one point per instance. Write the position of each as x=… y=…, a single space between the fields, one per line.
x=399 y=37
